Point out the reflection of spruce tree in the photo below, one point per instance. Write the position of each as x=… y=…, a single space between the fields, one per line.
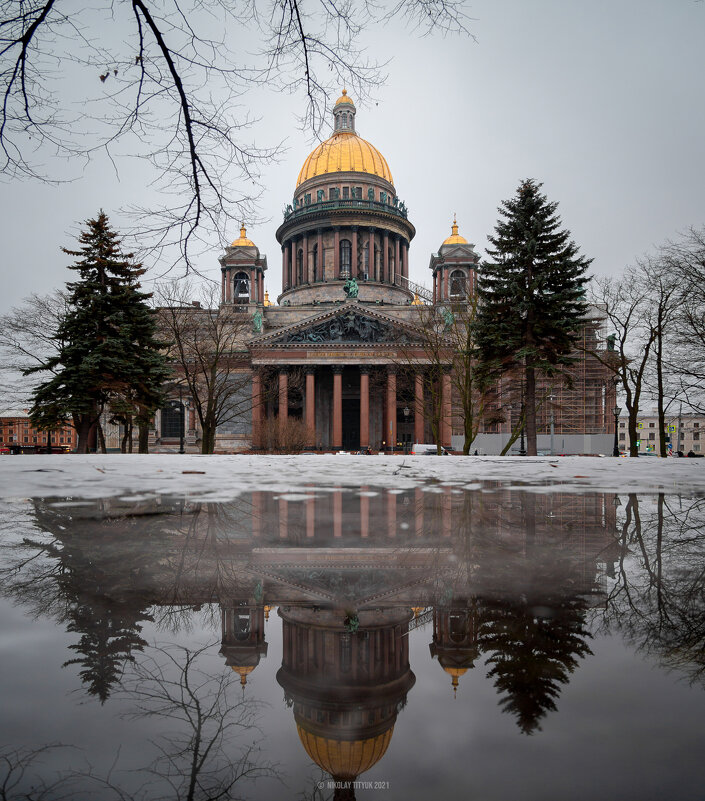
x=534 y=645
x=101 y=566
x=110 y=633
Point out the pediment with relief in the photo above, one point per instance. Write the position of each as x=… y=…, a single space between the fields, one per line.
x=346 y=326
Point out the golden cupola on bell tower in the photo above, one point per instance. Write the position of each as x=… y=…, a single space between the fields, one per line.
x=345 y=223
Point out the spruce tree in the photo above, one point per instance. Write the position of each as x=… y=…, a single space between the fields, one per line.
x=530 y=295
x=107 y=349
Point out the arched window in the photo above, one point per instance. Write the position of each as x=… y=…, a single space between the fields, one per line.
x=345 y=257
x=241 y=627
x=300 y=266
x=241 y=288
x=315 y=262
x=458 y=284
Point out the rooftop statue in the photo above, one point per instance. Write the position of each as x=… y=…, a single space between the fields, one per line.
x=351 y=288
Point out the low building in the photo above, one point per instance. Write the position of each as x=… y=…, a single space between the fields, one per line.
x=18 y=435
x=685 y=432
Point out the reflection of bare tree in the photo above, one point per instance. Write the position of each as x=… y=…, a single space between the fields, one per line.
x=658 y=598
x=211 y=749
x=198 y=757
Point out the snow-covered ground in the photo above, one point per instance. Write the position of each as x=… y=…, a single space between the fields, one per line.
x=224 y=477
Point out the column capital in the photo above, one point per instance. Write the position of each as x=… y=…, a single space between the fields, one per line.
x=337 y=369
x=365 y=369
x=283 y=370
x=391 y=369
x=310 y=369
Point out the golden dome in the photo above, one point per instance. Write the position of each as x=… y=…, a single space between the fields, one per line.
x=345 y=759
x=344 y=99
x=345 y=151
x=243 y=241
x=455 y=238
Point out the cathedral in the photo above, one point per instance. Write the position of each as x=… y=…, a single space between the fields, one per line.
x=343 y=356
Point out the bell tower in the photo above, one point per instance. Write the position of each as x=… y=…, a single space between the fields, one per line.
x=454 y=269
x=242 y=274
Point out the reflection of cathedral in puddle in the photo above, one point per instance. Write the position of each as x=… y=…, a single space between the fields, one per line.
x=347 y=611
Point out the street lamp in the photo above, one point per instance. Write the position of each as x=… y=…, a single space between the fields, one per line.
x=551 y=399
x=406 y=420
x=616 y=412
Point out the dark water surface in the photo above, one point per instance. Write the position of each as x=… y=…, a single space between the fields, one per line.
x=483 y=643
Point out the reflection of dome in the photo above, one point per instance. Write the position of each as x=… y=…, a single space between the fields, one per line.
x=243 y=671
x=345 y=759
x=345 y=151
x=455 y=238
x=456 y=673
x=243 y=241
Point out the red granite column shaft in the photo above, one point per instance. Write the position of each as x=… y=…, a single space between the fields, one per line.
x=397 y=266
x=321 y=257
x=256 y=514
x=371 y=256
x=283 y=396
x=353 y=265
x=336 y=254
x=446 y=429
x=364 y=513
x=385 y=258
x=222 y=286
x=445 y=284
x=311 y=407
x=391 y=514
x=338 y=513
x=337 y=443
x=256 y=409
x=228 y=288
x=419 y=408
x=364 y=408
x=306 y=277
x=391 y=433
x=310 y=517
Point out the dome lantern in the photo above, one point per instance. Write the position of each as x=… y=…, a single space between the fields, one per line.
x=344 y=114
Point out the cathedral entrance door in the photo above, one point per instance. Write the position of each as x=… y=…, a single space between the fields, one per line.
x=351 y=424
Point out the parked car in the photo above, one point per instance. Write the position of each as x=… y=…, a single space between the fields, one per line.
x=427 y=449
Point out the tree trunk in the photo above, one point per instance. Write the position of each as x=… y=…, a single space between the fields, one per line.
x=101 y=438
x=663 y=450
x=143 y=437
x=530 y=411
x=84 y=428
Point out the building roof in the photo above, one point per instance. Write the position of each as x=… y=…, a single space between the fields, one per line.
x=455 y=238
x=243 y=241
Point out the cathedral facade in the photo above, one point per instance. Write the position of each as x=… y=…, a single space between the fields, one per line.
x=343 y=356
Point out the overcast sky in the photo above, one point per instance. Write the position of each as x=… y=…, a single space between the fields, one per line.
x=604 y=102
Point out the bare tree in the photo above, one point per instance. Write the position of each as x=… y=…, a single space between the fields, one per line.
x=27 y=339
x=165 y=81
x=208 y=351
x=684 y=261
x=625 y=302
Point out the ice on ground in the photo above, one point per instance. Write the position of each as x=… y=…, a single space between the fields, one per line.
x=222 y=478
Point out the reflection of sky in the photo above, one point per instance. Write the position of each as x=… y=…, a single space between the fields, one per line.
x=621 y=724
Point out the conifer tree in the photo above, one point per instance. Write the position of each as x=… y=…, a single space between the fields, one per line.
x=530 y=294
x=107 y=350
